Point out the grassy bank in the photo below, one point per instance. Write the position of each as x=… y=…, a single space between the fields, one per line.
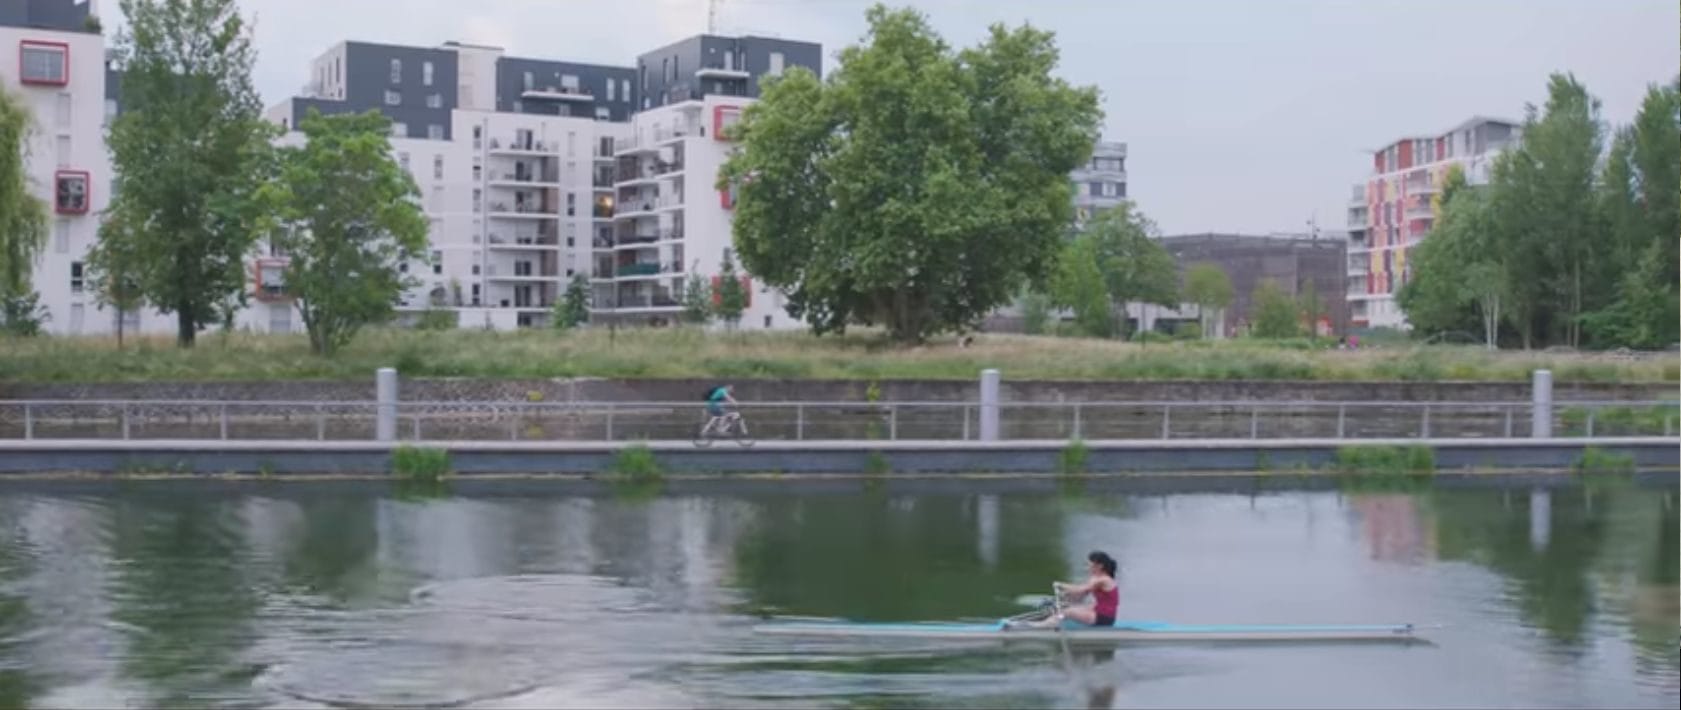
x=688 y=353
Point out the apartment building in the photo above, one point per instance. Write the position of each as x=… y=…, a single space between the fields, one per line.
x=1102 y=182
x=534 y=172
x=1395 y=207
x=61 y=78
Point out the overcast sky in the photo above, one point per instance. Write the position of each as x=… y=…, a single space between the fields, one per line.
x=1239 y=115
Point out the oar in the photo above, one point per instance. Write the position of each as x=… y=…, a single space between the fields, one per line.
x=1061 y=636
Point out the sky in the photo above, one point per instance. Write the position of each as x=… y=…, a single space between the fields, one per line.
x=1239 y=116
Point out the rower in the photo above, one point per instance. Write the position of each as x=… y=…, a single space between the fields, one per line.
x=1100 y=585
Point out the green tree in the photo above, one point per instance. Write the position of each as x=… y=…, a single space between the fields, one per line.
x=1274 y=314
x=1035 y=312
x=1311 y=305
x=23 y=218
x=22 y=315
x=729 y=299
x=573 y=309
x=1549 y=226
x=113 y=269
x=697 y=298
x=1078 y=285
x=1640 y=202
x=190 y=150
x=1208 y=286
x=1135 y=267
x=915 y=187
x=347 y=217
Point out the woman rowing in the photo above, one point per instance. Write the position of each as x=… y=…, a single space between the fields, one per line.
x=1100 y=586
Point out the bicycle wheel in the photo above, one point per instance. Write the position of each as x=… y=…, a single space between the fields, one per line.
x=742 y=438
x=703 y=438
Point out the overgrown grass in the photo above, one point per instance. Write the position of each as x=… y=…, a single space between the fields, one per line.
x=1385 y=468
x=1619 y=421
x=1072 y=460
x=1594 y=460
x=636 y=472
x=538 y=354
x=419 y=465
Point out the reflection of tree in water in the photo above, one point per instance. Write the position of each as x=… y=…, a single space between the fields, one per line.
x=334 y=552
x=181 y=592
x=1654 y=608
x=869 y=557
x=1552 y=586
x=16 y=687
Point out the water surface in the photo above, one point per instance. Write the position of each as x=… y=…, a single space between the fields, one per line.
x=286 y=598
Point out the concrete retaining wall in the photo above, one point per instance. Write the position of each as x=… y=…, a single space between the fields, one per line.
x=800 y=458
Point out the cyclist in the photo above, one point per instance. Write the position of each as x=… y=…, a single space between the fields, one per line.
x=715 y=401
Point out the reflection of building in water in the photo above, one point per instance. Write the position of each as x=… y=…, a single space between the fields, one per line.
x=62 y=580
x=1393 y=527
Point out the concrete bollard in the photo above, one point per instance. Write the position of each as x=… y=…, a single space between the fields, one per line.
x=1541 y=400
x=989 y=405
x=385 y=400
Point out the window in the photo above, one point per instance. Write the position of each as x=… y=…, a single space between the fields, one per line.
x=399 y=129
x=71 y=192
x=478 y=139
x=776 y=61
x=76 y=281
x=612 y=94
x=603 y=114
x=437 y=167
x=77 y=311
x=434 y=100
x=478 y=198
x=62 y=145
x=624 y=92
x=767 y=321
x=475 y=287
x=63 y=112
x=478 y=171
x=1121 y=189
x=569 y=82
x=435 y=132
x=280 y=316
x=437 y=262
x=571 y=203
x=396 y=71
x=426 y=73
x=44 y=63
x=529 y=81
x=403 y=160
x=665 y=70
x=393 y=98
x=110 y=110
x=61 y=236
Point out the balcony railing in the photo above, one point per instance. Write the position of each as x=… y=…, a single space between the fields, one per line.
x=527 y=177
x=521 y=208
x=530 y=144
x=602 y=212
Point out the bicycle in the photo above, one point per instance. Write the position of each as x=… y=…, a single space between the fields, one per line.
x=728 y=425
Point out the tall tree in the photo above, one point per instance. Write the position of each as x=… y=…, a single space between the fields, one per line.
x=189 y=151
x=1274 y=314
x=1208 y=286
x=23 y=218
x=1458 y=278
x=1135 y=267
x=1641 y=204
x=113 y=269
x=729 y=297
x=697 y=298
x=1035 y=312
x=1311 y=305
x=347 y=216
x=573 y=308
x=1551 y=233
x=1078 y=285
x=916 y=187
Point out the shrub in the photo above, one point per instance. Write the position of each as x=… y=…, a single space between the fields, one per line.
x=428 y=465
x=1072 y=460
x=438 y=319
x=1594 y=460
x=636 y=463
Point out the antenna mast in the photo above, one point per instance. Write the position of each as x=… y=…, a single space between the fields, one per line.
x=712 y=16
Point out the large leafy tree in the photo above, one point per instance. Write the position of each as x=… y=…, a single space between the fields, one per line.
x=1077 y=285
x=1550 y=232
x=1208 y=286
x=1275 y=314
x=23 y=219
x=916 y=187
x=728 y=296
x=190 y=150
x=347 y=216
x=1458 y=282
x=1135 y=267
x=573 y=308
x=114 y=269
x=1641 y=204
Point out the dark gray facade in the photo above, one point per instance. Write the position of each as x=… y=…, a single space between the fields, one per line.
x=1291 y=262
x=372 y=70
x=669 y=74
x=547 y=75
x=60 y=15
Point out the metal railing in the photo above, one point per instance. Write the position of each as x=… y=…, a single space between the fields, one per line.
x=848 y=420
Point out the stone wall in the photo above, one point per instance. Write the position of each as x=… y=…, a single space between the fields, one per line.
x=765 y=390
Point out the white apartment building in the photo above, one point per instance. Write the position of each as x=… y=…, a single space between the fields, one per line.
x=1394 y=208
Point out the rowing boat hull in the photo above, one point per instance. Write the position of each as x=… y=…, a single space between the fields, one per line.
x=1122 y=632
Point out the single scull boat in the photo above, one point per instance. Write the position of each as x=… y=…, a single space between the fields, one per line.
x=1122 y=632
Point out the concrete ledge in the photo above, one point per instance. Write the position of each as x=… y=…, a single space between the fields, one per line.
x=1016 y=457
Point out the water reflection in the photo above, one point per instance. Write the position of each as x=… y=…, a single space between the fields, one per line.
x=270 y=600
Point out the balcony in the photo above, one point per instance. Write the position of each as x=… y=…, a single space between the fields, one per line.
x=532 y=272
x=523 y=145
x=522 y=241
x=649 y=172
x=524 y=178
x=1420 y=210
x=1359 y=196
x=719 y=71
x=558 y=93
x=602 y=211
x=602 y=180
x=520 y=210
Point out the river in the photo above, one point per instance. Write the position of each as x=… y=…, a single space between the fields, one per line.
x=297 y=596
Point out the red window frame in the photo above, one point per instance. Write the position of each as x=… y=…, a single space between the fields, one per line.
x=718 y=113
x=43 y=44
x=87 y=191
x=746 y=291
x=257 y=291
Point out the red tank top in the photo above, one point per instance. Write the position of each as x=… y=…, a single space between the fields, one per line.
x=1107 y=601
